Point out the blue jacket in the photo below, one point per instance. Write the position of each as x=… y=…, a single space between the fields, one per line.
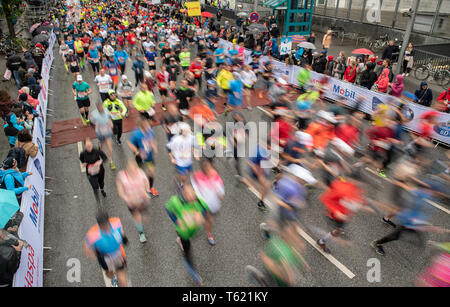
x=13 y=119
x=8 y=177
x=236 y=87
x=138 y=67
x=118 y=54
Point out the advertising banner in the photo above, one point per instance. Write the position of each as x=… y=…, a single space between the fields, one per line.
x=29 y=273
x=193 y=8
x=286 y=45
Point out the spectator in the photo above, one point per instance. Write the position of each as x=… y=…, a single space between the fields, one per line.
x=13 y=63
x=387 y=52
x=319 y=62
x=29 y=61
x=408 y=61
x=443 y=99
x=24 y=140
x=339 y=68
x=13 y=180
x=275 y=32
x=383 y=81
x=424 y=96
x=330 y=65
x=368 y=76
x=326 y=41
x=10 y=254
x=350 y=72
x=397 y=86
x=239 y=22
x=6 y=103
x=312 y=38
x=12 y=127
x=30 y=100
x=359 y=69
x=219 y=15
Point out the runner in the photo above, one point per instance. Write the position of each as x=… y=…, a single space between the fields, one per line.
x=125 y=92
x=104 y=83
x=102 y=119
x=188 y=213
x=73 y=61
x=92 y=160
x=113 y=69
x=143 y=102
x=163 y=85
x=117 y=110
x=81 y=90
x=209 y=186
x=105 y=241
x=133 y=187
x=143 y=144
x=181 y=149
x=93 y=56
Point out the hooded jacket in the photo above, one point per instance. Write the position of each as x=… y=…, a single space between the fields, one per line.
x=397 y=86
x=30 y=149
x=10 y=177
x=368 y=76
x=425 y=96
x=13 y=120
x=383 y=81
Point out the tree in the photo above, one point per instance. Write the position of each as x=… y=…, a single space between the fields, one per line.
x=11 y=9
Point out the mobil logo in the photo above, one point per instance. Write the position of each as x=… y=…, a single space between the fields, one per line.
x=344 y=92
x=375 y=102
x=34 y=208
x=443 y=129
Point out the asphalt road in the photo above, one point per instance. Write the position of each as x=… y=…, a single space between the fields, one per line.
x=70 y=211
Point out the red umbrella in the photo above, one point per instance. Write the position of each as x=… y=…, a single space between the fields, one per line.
x=362 y=51
x=207 y=14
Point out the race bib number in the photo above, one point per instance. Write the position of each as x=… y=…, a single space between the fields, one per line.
x=81 y=94
x=94 y=169
x=95 y=60
x=113 y=71
x=151 y=63
x=115 y=115
x=74 y=63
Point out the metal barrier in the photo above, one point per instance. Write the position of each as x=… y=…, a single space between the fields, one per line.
x=438 y=61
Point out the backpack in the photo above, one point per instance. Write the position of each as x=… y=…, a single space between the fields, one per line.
x=19 y=155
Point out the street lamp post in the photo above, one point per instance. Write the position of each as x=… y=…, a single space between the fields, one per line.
x=408 y=31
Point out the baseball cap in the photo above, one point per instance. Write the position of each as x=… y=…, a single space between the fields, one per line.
x=79 y=78
x=301 y=173
x=124 y=77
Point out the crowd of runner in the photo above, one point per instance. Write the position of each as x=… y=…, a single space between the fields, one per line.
x=180 y=63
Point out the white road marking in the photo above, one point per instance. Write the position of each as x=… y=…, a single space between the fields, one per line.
x=80 y=149
x=106 y=279
x=437 y=206
x=311 y=241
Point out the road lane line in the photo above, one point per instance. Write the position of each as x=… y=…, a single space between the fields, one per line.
x=311 y=241
x=80 y=149
x=106 y=279
x=437 y=206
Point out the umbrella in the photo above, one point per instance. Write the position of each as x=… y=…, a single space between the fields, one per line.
x=242 y=14
x=40 y=38
x=8 y=206
x=207 y=14
x=363 y=51
x=41 y=29
x=307 y=45
x=298 y=39
x=34 y=27
x=258 y=27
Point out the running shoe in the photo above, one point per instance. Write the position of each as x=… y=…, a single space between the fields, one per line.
x=381 y=173
x=164 y=108
x=119 y=142
x=83 y=120
x=142 y=238
x=113 y=166
x=154 y=191
x=211 y=240
x=323 y=246
x=114 y=282
x=262 y=206
x=389 y=222
x=378 y=248
x=255 y=276
x=103 y=193
x=260 y=95
x=197 y=279
x=264 y=230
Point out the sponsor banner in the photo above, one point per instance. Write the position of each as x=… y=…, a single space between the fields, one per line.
x=193 y=8
x=338 y=89
x=29 y=273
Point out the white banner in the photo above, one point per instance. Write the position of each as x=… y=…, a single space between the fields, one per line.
x=286 y=45
x=29 y=273
x=341 y=89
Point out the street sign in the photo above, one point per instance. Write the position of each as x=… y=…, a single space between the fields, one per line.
x=254 y=17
